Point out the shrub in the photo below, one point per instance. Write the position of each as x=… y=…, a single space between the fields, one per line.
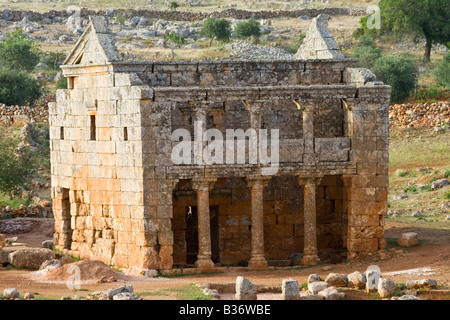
x=402 y=172
x=219 y=29
x=442 y=71
x=411 y=189
x=173 y=37
x=61 y=83
x=15 y=168
x=247 y=29
x=367 y=56
x=173 y=5
x=400 y=73
x=18 y=88
x=447 y=173
x=18 y=52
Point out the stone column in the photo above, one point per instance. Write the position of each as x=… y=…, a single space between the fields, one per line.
x=308 y=134
x=199 y=108
x=310 y=256
x=257 y=259
x=202 y=187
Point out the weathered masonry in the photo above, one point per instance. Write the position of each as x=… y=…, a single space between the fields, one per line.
x=119 y=198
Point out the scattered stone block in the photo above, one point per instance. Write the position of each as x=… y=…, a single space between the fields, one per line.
x=329 y=293
x=47 y=244
x=10 y=293
x=420 y=284
x=372 y=277
x=290 y=290
x=314 y=278
x=357 y=280
x=245 y=290
x=386 y=287
x=337 y=280
x=408 y=239
x=316 y=287
x=30 y=258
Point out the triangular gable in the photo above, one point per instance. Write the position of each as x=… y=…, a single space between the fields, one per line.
x=318 y=43
x=95 y=46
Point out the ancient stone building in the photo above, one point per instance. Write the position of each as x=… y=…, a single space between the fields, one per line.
x=119 y=197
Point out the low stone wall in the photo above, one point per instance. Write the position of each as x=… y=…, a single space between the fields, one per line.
x=15 y=15
x=409 y=115
x=19 y=115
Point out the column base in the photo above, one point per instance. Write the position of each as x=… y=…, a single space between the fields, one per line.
x=259 y=263
x=310 y=260
x=204 y=264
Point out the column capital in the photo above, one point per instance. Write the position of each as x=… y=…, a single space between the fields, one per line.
x=199 y=106
x=305 y=105
x=254 y=106
x=256 y=181
x=308 y=180
x=203 y=183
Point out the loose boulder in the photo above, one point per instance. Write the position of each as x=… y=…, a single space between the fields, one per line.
x=314 y=278
x=245 y=290
x=30 y=258
x=421 y=284
x=47 y=244
x=290 y=290
x=330 y=293
x=408 y=239
x=337 y=280
x=10 y=293
x=316 y=287
x=357 y=280
x=386 y=288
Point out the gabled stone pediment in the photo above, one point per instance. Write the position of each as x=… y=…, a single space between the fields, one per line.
x=95 y=46
x=318 y=43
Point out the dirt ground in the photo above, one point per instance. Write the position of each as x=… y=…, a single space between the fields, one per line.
x=429 y=259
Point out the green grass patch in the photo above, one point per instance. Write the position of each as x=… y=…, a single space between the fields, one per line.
x=190 y=292
x=446 y=195
x=14 y=202
x=157 y=293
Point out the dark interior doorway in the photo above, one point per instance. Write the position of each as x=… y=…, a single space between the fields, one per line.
x=192 y=234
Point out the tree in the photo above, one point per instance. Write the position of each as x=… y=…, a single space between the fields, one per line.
x=442 y=71
x=399 y=72
x=18 y=88
x=219 y=29
x=249 y=28
x=421 y=18
x=18 y=52
x=174 y=5
x=366 y=52
x=15 y=167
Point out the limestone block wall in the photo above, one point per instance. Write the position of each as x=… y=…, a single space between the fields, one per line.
x=367 y=190
x=97 y=174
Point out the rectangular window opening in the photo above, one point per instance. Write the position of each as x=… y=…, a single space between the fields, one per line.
x=61 y=133
x=125 y=134
x=93 y=128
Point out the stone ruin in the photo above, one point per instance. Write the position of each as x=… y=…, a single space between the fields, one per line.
x=119 y=197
